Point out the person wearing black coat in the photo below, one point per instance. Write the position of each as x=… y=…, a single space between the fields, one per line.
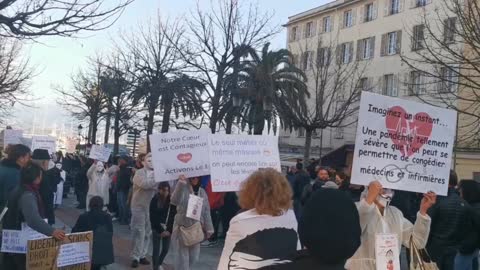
x=162 y=215
x=100 y=223
x=81 y=183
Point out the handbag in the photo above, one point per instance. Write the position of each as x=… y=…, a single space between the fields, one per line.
x=192 y=235
x=420 y=259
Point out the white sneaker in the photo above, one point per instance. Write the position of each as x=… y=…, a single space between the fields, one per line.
x=161 y=268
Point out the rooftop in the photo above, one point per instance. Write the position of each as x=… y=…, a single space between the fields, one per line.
x=319 y=10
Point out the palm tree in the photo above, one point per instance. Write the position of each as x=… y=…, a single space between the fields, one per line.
x=266 y=81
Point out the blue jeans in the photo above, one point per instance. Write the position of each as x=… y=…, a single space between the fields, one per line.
x=465 y=261
x=123 y=213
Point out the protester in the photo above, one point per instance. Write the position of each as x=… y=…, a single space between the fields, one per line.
x=185 y=257
x=162 y=215
x=98 y=182
x=377 y=216
x=25 y=205
x=343 y=181
x=112 y=170
x=330 y=238
x=144 y=187
x=467 y=256
x=216 y=201
x=291 y=176
x=100 y=223
x=323 y=177
x=81 y=183
x=229 y=210
x=302 y=180
x=58 y=198
x=266 y=233
x=449 y=218
x=18 y=156
x=123 y=188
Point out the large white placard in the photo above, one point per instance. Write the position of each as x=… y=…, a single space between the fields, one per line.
x=234 y=157
x=403 y=144
x=11 y=136
x=15 y=241
x=73 y=253
x=99 y=152
x=178 y=153
x=44 y=142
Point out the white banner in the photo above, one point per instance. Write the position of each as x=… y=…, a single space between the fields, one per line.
x=14 y=241
x=234 y=157
x=11 y=136
x=178 y=153
x=403 y=144
x=99 y=152
x=387 y=253
x=44 y=142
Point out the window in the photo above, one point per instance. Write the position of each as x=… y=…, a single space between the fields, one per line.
x=309 y=30
x=363 y=84
x=365 y=48
x=394 y=7
x=306 y=60
x=301 y=132
x=389 y=88
x=449 y=29
x=338 y=133
x=391 y=43
x=294 y=33
x=417 y=83
x=369 y=13
x=314 y=133
x=449 y=79
x=418 y=37
x=348 y=19
x=346 y=52
x=323 y=57
x=421 y=3
x=327 y=24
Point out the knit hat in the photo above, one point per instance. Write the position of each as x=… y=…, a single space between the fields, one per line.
x=330 y=185
x=330 y=226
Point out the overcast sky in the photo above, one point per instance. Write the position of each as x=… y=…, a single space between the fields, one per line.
x=56 y=58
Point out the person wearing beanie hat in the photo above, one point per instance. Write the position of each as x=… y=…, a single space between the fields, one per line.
x=331 y=235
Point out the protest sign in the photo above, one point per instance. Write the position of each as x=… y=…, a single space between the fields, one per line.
x=194 y=207
x=403 y=144
x=15 y=241
x=177 y=153
x=44 y=142
x=11 y=136
x=99 y=152
x=47 y=253
x=387 y=252
x=234 y=157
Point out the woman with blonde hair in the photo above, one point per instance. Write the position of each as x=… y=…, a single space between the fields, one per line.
x=266 y=232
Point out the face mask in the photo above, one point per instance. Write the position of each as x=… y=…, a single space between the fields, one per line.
x=99 y=166
x=386 y=198
x=147 y=163
x=58 y=166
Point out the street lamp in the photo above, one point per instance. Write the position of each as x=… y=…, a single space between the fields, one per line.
x=145 y=121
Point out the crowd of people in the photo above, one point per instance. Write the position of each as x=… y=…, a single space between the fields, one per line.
x=312 y=218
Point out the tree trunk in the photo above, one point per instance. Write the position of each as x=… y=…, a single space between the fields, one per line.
x=259 y=124
x=116 y=133
x=107 y=127
x=89 y=136
x=229 y=121
x=150 y=123
x=167 y=111
x=308 y=145
x=321 y=147
x=94 y=129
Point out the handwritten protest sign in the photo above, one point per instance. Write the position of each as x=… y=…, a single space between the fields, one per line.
x=387 y=252
x=11 y=136
x=194 y=207
x=178 y=153
x=99 y=152
x=403 y=144
x=15 y=241
x=46 y=254
x=234 y=157
x=44 y=142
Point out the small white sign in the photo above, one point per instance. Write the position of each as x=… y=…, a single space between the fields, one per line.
x=194 y=207
x=14 y=241
x=44 y=142
x=11 y=136
x=387 y=254
x=73 y=253
x=99 y=152
x=177 y=153
x=234 y=157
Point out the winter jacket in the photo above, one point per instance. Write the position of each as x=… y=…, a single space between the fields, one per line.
x=450 y=215
x=9 y=179
x=302 y=179
x=158 y=215
x=471 y=241
x=304 y=261
x=144 y=188
x=124 y=182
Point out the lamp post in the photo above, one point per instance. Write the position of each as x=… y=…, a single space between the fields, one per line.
x=79 y=136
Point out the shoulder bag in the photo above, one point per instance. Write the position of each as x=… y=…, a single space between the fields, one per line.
x=193 y=234
x=420 y=259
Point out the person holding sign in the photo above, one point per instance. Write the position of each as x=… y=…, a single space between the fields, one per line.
x=193 y=222
x=26 y=205
x=98 y=182
x=378 y=219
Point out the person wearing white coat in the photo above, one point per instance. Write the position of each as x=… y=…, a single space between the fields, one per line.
x=98 y=182
x=378 y=217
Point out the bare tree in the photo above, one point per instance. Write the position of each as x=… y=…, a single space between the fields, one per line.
x=209 y=48
x=34 y=18
x=445 y=64
x=335 y=83
x=15 y=75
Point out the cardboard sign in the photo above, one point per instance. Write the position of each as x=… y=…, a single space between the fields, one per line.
x=14 y=241
x=73 y=253
x=234 y=157
x=45 y=254
x=403 y=144
x=100 y=153
x=387 y=253
x=44 y=142
x=11 y=136
x=194 y=207
x=177 y=153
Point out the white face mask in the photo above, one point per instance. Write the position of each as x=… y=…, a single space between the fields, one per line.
x=100 y=166
x=386 y=198
x=147 y=163
x=58 y=166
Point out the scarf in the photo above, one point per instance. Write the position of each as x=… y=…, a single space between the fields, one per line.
x=196 y=188
x=35 y=190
